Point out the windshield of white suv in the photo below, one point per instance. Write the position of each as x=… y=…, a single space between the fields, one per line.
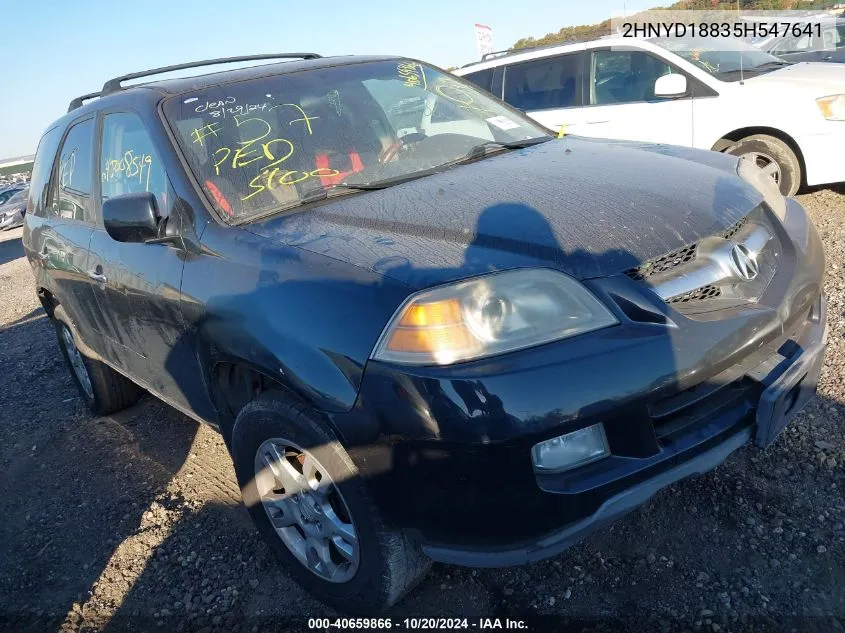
x=262 y=146
x=725 y=58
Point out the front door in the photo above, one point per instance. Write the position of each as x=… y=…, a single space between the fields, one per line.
x=140 y=284
x=65 y=233
x=621 y=103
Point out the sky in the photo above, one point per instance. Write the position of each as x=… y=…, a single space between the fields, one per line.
x=54 y=50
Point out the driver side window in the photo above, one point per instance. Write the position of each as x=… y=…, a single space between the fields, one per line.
x=129 y=162
x=625 y=77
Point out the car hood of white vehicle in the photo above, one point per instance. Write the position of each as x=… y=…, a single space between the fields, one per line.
x=820 y=79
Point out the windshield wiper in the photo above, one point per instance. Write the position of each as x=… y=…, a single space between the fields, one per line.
x=315 y=195
x=325 y=193
x=775 y=62
x=494 y=146
x=772 y=65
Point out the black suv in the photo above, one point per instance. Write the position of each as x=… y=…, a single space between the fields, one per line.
x=425 y=327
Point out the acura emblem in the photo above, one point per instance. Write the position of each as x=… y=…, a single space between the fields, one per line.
x=743 y=263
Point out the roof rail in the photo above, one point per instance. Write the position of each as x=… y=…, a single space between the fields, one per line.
x=77 y=103
x=491 y=54
x=529 y=49
x=114 y=85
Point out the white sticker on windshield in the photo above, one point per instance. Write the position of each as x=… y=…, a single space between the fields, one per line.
x=502 y=122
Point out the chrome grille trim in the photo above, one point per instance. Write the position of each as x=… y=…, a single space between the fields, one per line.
x=666 y=262
x=712 y=265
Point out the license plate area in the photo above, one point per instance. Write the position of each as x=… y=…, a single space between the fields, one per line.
x=781 y=400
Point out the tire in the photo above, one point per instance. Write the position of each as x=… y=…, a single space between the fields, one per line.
x=764 y=149
x=387 y=563
x=106 y=390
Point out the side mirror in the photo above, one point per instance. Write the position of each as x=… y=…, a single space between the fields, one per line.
x=131 y=217
x=673 y=85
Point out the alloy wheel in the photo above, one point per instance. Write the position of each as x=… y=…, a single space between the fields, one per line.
x=307 y=510
x=765 y=162
x=77 y=363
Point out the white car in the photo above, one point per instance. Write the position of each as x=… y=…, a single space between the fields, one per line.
x=723 y=95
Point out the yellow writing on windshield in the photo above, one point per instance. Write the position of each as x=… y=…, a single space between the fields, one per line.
x=268 y=180
x=462 y=96
x=250 y=151
x=412 y=74
x=305 y=118
x=206 y=130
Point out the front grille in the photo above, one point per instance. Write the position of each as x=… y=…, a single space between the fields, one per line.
x=662 y=264
x=686 y=411
x=735 y=228
x=699 y=294
x=699 y=276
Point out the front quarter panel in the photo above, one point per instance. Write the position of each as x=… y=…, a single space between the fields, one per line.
x=303 y=319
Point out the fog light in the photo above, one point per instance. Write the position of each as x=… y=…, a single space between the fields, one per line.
x=573 y=449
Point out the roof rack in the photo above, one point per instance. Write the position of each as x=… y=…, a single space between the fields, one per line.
x=529 y=49
x=77 y=103
x=492 y=54
x=114 y=85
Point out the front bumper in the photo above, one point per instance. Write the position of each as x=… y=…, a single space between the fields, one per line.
x=11 y=220
x=677 y=393
x=788 y=384
x=824 y=154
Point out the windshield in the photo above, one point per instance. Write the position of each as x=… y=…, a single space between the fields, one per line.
x=273 y=143
x=722 y=57
x=20 y=196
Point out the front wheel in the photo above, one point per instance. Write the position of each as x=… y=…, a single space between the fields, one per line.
x=305 y=497
x=774 y=157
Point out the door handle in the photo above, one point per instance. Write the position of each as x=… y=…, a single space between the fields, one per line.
x=97 y=275
x=597 y=121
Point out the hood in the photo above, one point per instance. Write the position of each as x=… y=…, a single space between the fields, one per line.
x=588 y=208
x=817 y=77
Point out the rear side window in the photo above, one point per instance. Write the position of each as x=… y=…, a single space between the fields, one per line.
x=71 y=193
x=45 y=155
x=544 y=84
x=481 y=78
x=130 y=162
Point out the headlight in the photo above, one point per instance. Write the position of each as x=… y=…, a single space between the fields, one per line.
x=832 y=107
x=497 y=313
x=763 y=183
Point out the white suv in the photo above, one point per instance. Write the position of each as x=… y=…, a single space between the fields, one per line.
x=722 y=95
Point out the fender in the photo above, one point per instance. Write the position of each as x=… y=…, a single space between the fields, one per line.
x=284 y=312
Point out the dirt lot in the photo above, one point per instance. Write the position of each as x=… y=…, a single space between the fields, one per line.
x=132 y=521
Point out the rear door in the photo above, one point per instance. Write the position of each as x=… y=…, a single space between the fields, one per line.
x=621 y=102
x=65 y=233
x=549 y=90
x=140 y=285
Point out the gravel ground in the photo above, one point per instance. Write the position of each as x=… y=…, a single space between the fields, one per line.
x=133 y=521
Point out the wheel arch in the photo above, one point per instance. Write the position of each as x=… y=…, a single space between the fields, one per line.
x=740 y=133
x=48 y=301
x=235 y=382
